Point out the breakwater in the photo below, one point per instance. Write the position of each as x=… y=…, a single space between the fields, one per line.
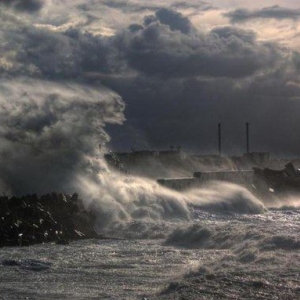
x=244 y=177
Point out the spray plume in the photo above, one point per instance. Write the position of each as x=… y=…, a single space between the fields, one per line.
x=50 y=132
x=49 y=142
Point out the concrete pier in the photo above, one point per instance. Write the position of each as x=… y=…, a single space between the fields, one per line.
x=244 y=177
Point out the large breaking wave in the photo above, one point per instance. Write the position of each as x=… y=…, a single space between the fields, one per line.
x=50 y=136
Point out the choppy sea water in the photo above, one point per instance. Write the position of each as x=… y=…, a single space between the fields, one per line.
x=212 y=256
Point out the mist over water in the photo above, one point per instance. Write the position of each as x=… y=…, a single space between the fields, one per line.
x=138 y=207
x=118 y=199
x=131 y=207
x=222 y=197
x=284 y=203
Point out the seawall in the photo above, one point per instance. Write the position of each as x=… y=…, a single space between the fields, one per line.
x=244 y=177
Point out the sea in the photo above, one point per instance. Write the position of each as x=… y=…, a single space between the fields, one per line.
x=220 y=242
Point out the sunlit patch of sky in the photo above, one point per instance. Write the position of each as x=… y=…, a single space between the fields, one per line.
x=107 y=17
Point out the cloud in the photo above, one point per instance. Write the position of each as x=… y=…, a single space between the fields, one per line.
x=273 y=12
x=169 y=45
x=29 y=6
x=177 y=82
x=174 y=20
x=52 y=121
x=186 y=111
x=40 y=52
x=188 y=81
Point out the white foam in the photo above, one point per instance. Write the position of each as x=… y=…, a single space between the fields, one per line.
x=119 y=199
x=222 y=197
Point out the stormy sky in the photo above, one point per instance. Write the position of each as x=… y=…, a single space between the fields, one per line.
x=168 y=71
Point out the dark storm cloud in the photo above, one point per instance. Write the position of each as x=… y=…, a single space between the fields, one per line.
x=177 y=82
x=174 y=20
x=169 y=45
x=186 y=112
x=190 y=81
x=29 y=6
x=55 y=55
x=273 y=12
x=51 y=121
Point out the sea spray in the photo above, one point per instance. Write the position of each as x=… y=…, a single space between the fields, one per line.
x=50 y=132
x=288 y=201
x=117 y=199
x=224 y=197
x=137 y=206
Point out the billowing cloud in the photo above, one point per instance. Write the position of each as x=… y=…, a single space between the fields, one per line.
x=34 y=51
x=188 y=81
x=273 y=12
x=29 y=6
x=51 y=120
x=177 y=81
x=174 y=20
x=169 y=45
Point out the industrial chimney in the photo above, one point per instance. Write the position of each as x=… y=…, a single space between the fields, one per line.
x=219 y=139
x=247 y=137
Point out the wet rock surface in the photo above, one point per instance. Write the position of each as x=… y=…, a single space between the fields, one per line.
x=50 y=218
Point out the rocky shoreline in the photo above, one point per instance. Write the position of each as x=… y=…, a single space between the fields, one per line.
x=52 y=217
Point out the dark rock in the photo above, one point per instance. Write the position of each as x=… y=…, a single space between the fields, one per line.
x=51 y=218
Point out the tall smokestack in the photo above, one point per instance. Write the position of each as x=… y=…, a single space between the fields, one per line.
x=247 y=137
x=219 y=139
